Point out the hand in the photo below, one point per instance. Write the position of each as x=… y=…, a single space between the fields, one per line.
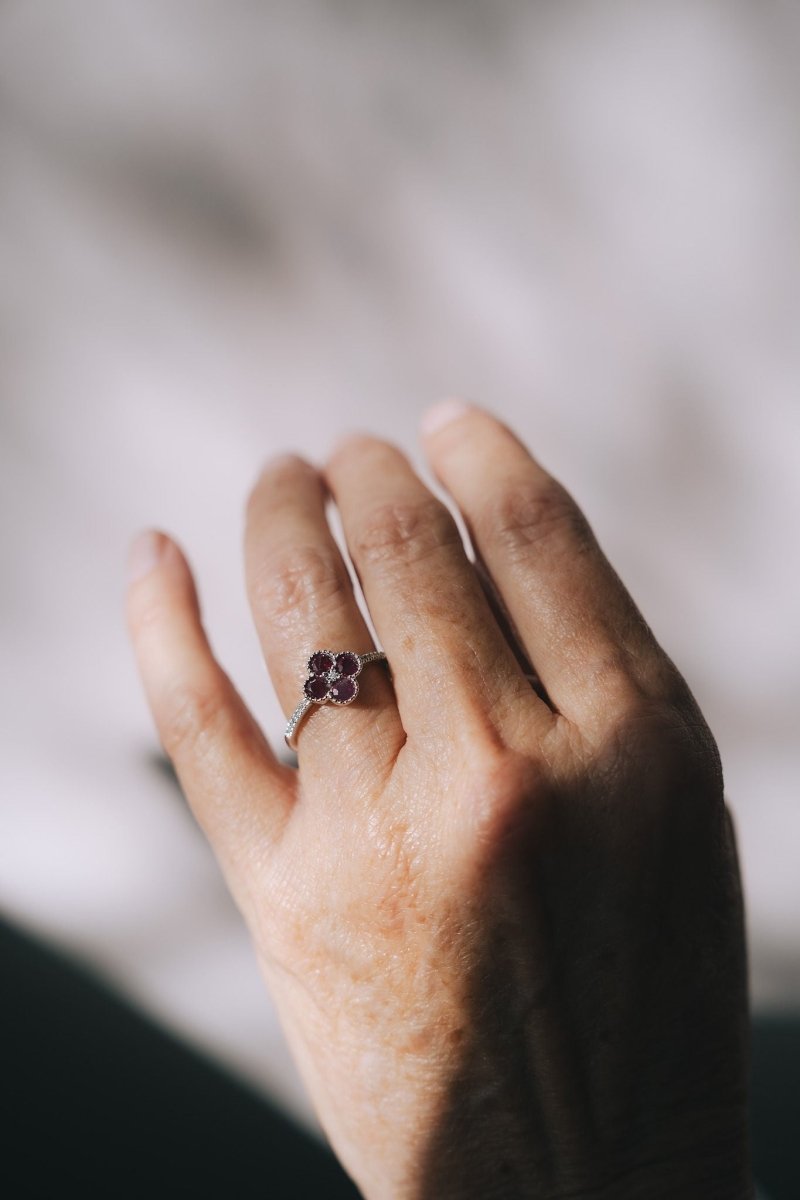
x=502 y=924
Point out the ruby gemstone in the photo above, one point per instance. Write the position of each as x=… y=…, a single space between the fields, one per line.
x=316 y=688
x=343 y=690
x=320 y=663
x=347 y=663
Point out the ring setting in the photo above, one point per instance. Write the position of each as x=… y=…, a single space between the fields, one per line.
x=331 y=679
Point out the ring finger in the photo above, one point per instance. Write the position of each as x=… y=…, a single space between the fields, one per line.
x=302 y=601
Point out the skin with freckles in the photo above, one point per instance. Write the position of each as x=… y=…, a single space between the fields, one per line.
x=498 y=902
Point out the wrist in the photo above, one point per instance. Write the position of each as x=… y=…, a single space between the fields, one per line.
x=499 y=1157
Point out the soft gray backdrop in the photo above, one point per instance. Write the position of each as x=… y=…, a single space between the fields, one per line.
x=229 y=229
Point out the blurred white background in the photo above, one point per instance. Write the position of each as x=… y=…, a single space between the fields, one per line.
x=229 y=229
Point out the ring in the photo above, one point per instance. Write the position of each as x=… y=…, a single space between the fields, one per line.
x=331 y=679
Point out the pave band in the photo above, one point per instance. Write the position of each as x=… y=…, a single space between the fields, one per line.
x=331 y=679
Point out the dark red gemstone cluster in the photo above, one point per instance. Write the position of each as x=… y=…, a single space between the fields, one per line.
x=332 y=677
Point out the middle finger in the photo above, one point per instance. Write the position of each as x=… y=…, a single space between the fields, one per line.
x=450 y=661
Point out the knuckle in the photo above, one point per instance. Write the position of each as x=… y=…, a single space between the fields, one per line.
x=191 y=715
x=612 y=677
x=672 y=745
x=525 y=516
x=698 y=762
x=499 y=775
x=147 y=615
x=300 y=580
x=635 y=681
x=405 y=533
x=505 y=789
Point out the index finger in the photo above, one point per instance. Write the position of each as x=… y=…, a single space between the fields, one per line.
x=580 y=627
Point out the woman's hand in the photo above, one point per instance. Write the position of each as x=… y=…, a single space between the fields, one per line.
x=502 y=923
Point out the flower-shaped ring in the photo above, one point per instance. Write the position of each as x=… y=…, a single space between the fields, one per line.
x=331 y=679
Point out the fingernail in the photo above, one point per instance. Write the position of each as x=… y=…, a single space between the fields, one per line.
x=284 y=459
x=345 y=440
x=442 y=414
x=274 y=465
x=146 y=549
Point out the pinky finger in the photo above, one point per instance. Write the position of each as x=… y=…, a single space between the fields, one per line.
x=239 y=792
